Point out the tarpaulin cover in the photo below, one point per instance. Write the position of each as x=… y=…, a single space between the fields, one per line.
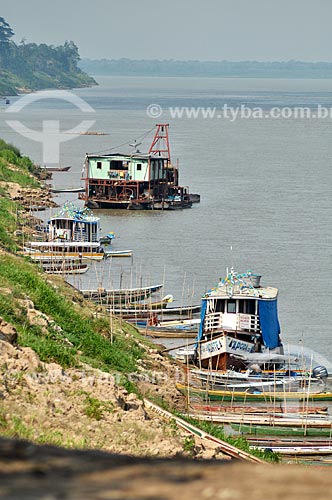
x=268 y=317
x=203 y=311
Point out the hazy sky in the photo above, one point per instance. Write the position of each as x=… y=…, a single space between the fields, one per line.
x=179 y=29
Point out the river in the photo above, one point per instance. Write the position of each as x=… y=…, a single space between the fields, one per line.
x=265 y=187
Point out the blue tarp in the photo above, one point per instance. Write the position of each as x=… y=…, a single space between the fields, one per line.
x=200 y=331
x=268 y=317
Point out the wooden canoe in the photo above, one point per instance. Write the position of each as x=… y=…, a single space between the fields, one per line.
x=236 y=396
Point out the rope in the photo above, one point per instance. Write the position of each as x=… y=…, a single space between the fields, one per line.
x=124 y=143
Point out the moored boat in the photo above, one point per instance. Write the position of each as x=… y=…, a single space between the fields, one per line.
x=292 y=378
x=67 y=190
x=238 y=318
x=136 y=181
x=289 y=430
x=181 y=328
x=73 y=231
x=144 y=309
x=51 y=256
x=65 y=268
x=57 y=169
x=270 y=395
x=120 y=295
x=109 y=254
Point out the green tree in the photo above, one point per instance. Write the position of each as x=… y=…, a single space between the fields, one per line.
x=5 y=31
x=6 y=34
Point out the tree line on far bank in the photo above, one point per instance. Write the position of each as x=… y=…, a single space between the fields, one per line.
x=223 y=69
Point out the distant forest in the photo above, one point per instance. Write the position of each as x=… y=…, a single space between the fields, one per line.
x=28 y=66
x=242 y=69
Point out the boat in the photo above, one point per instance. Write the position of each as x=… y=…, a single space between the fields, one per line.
x=108 y=238
x=143 y=310
x=289 y=430
x=299 y=425
x=181 y=328
x=257 y=410
x=57 y=169
x=292 y=447
x=296 y=451
x=194 y=198
x=120 y=295
x=238 y=318
x=271 y=419
x=67 y=190
x=171 y=333
x=73 y=232
x=254 y=394
x=58 y=253
x=136 y=181
x=290 y=377
x=109 y=254
x=65 y=268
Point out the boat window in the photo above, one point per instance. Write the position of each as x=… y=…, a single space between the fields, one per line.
x=220 y=306
x=139 y=166
x=99 y=164
x=242 y=308
x=118 y=165
x=231 y=306
x=250 y=307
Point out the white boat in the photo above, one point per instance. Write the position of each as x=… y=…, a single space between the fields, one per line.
x=65 y=268
x=120 y=295
x=117 y=253
x=51 y=256
x=73 y=231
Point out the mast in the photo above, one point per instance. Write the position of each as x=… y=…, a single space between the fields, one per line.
x=160 y=143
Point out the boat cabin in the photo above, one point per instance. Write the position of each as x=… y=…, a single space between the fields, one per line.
x=136 y=181
x=238 y=317
x=130 y=181
x=73 y=229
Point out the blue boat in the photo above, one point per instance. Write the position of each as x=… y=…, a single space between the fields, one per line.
x=239 y=320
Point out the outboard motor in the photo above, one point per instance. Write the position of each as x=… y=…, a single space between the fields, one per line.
x=320 y=372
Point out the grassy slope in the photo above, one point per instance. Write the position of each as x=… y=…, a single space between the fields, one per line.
x=87 y=334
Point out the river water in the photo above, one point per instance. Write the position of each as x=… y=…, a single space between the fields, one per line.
x=265 y=187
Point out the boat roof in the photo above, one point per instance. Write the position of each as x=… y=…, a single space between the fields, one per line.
x=241 y=286
x=69 y=211
x=140 y=156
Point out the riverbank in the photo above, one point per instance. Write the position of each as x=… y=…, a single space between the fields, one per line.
x=71 y=375
x=12 y=84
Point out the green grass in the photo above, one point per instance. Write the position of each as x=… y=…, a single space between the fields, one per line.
x=217 y=431
x=238 y=441
x=10 y=147
x=8 y=222
x=84 y=333
x=21 y=175
x=94 y=408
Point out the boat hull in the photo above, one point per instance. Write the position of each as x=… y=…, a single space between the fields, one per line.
x=241 y=396
x=71 y=269
x=267 y=430
x=49 y=256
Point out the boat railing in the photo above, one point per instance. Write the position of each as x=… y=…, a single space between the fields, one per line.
x=237 y=322
x=80 y=236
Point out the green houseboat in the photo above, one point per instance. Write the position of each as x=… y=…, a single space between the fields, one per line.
x=135 y=181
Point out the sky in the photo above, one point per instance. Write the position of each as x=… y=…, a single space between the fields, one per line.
x=207 y=30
